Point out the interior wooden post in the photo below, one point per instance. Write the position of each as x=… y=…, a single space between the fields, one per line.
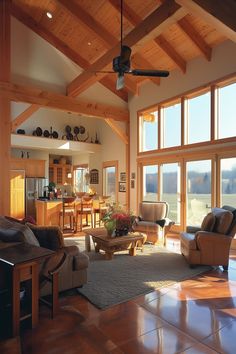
x=5 y=117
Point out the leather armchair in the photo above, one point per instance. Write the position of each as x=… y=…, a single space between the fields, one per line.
x=153 y=221
x=210 y=244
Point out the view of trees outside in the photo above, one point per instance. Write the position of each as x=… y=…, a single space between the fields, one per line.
x=150 y=186
x=109 y=182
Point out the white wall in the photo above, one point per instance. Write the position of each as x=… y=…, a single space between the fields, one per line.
x=199 y=72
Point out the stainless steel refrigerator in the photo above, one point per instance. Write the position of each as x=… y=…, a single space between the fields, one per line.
x=34 y=188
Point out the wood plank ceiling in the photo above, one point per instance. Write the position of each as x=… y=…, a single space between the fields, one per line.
x=86 y=30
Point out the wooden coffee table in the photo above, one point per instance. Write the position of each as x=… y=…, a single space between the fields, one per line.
x=113 y=244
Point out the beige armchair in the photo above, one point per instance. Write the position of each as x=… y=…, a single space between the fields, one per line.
x=210 y=244
x=153 y=221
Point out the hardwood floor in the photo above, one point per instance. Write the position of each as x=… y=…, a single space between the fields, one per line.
x=194 y=316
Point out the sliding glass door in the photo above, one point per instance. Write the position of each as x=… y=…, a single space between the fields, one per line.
x=228 y=181
x=170 y=189
x=198 y=191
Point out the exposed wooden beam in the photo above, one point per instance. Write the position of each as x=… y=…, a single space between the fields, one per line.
x=32 y=95
x=5 y=107
x=220 y=14
x=22 y=117
x=122 y=135
x=171 y=52
x=168 y=13
x=28 y=21
x=195 y=37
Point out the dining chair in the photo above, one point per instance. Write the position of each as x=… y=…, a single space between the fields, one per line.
x=67 y=212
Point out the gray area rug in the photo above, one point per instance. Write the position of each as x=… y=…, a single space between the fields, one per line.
x=125 y=277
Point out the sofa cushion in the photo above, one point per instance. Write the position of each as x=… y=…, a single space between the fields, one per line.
x=11 y=231
x=48 y=236
x=208 y=222
x=223 y=220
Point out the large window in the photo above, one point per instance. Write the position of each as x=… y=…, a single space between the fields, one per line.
x=199 y=116
x=227 y=111
x=110 y=182
x=81 y=179
x=198 y=194
x=170 y=189
x=172 y=125
x=228 y=181
x=149 y=129
x=150 y=185
x=192 y=118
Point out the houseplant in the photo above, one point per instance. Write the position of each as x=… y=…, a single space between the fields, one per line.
x=118 y=221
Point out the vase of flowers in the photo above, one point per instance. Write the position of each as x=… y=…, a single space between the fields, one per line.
x=118 y=220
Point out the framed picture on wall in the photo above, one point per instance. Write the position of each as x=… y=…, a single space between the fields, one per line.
x=122 y=187
x=133 y=175
x=132 y=183
x=94 y=176
x=123 y=176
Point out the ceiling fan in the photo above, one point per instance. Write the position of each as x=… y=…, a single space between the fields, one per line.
x=121 y=64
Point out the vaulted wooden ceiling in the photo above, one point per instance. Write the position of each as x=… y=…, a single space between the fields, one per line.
x=163 y=34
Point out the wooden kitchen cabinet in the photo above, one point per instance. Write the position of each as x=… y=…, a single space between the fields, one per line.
x=32 y=167
x=58 y=173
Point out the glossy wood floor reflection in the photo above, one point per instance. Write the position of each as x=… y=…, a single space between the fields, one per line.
x=192 y=317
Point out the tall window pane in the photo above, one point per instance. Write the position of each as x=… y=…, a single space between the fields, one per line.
x=172 y=126
x=228 y=181
x=109 y=182
x=81 y=179
x=227 y=111
x=150 y=186
x=170 y=192
x=198 y=191
x=199 y=116
x=149 y=132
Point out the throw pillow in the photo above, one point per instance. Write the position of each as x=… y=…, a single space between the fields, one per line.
x=208 y=222
x=16 y=232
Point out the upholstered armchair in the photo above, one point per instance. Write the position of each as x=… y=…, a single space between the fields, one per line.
x=210 y=244
x=153 y=221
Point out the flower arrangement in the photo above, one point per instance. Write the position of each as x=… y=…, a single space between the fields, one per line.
x=118 y=221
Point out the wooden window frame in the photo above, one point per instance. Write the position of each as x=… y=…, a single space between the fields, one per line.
x=212 y=87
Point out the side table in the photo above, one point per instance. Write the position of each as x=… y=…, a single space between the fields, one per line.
x=21 y=263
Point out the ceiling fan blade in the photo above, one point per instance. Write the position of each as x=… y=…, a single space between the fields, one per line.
x=120 y=83
x=155 y=73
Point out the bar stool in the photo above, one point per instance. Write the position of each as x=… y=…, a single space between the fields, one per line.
x=85 y=209
x=104 y=207
x=68 y=211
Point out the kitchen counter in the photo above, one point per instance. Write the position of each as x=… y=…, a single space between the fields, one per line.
x=47 y=211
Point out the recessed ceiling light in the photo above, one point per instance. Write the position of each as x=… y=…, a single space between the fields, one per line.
x=89 y=43
x=49 y=15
